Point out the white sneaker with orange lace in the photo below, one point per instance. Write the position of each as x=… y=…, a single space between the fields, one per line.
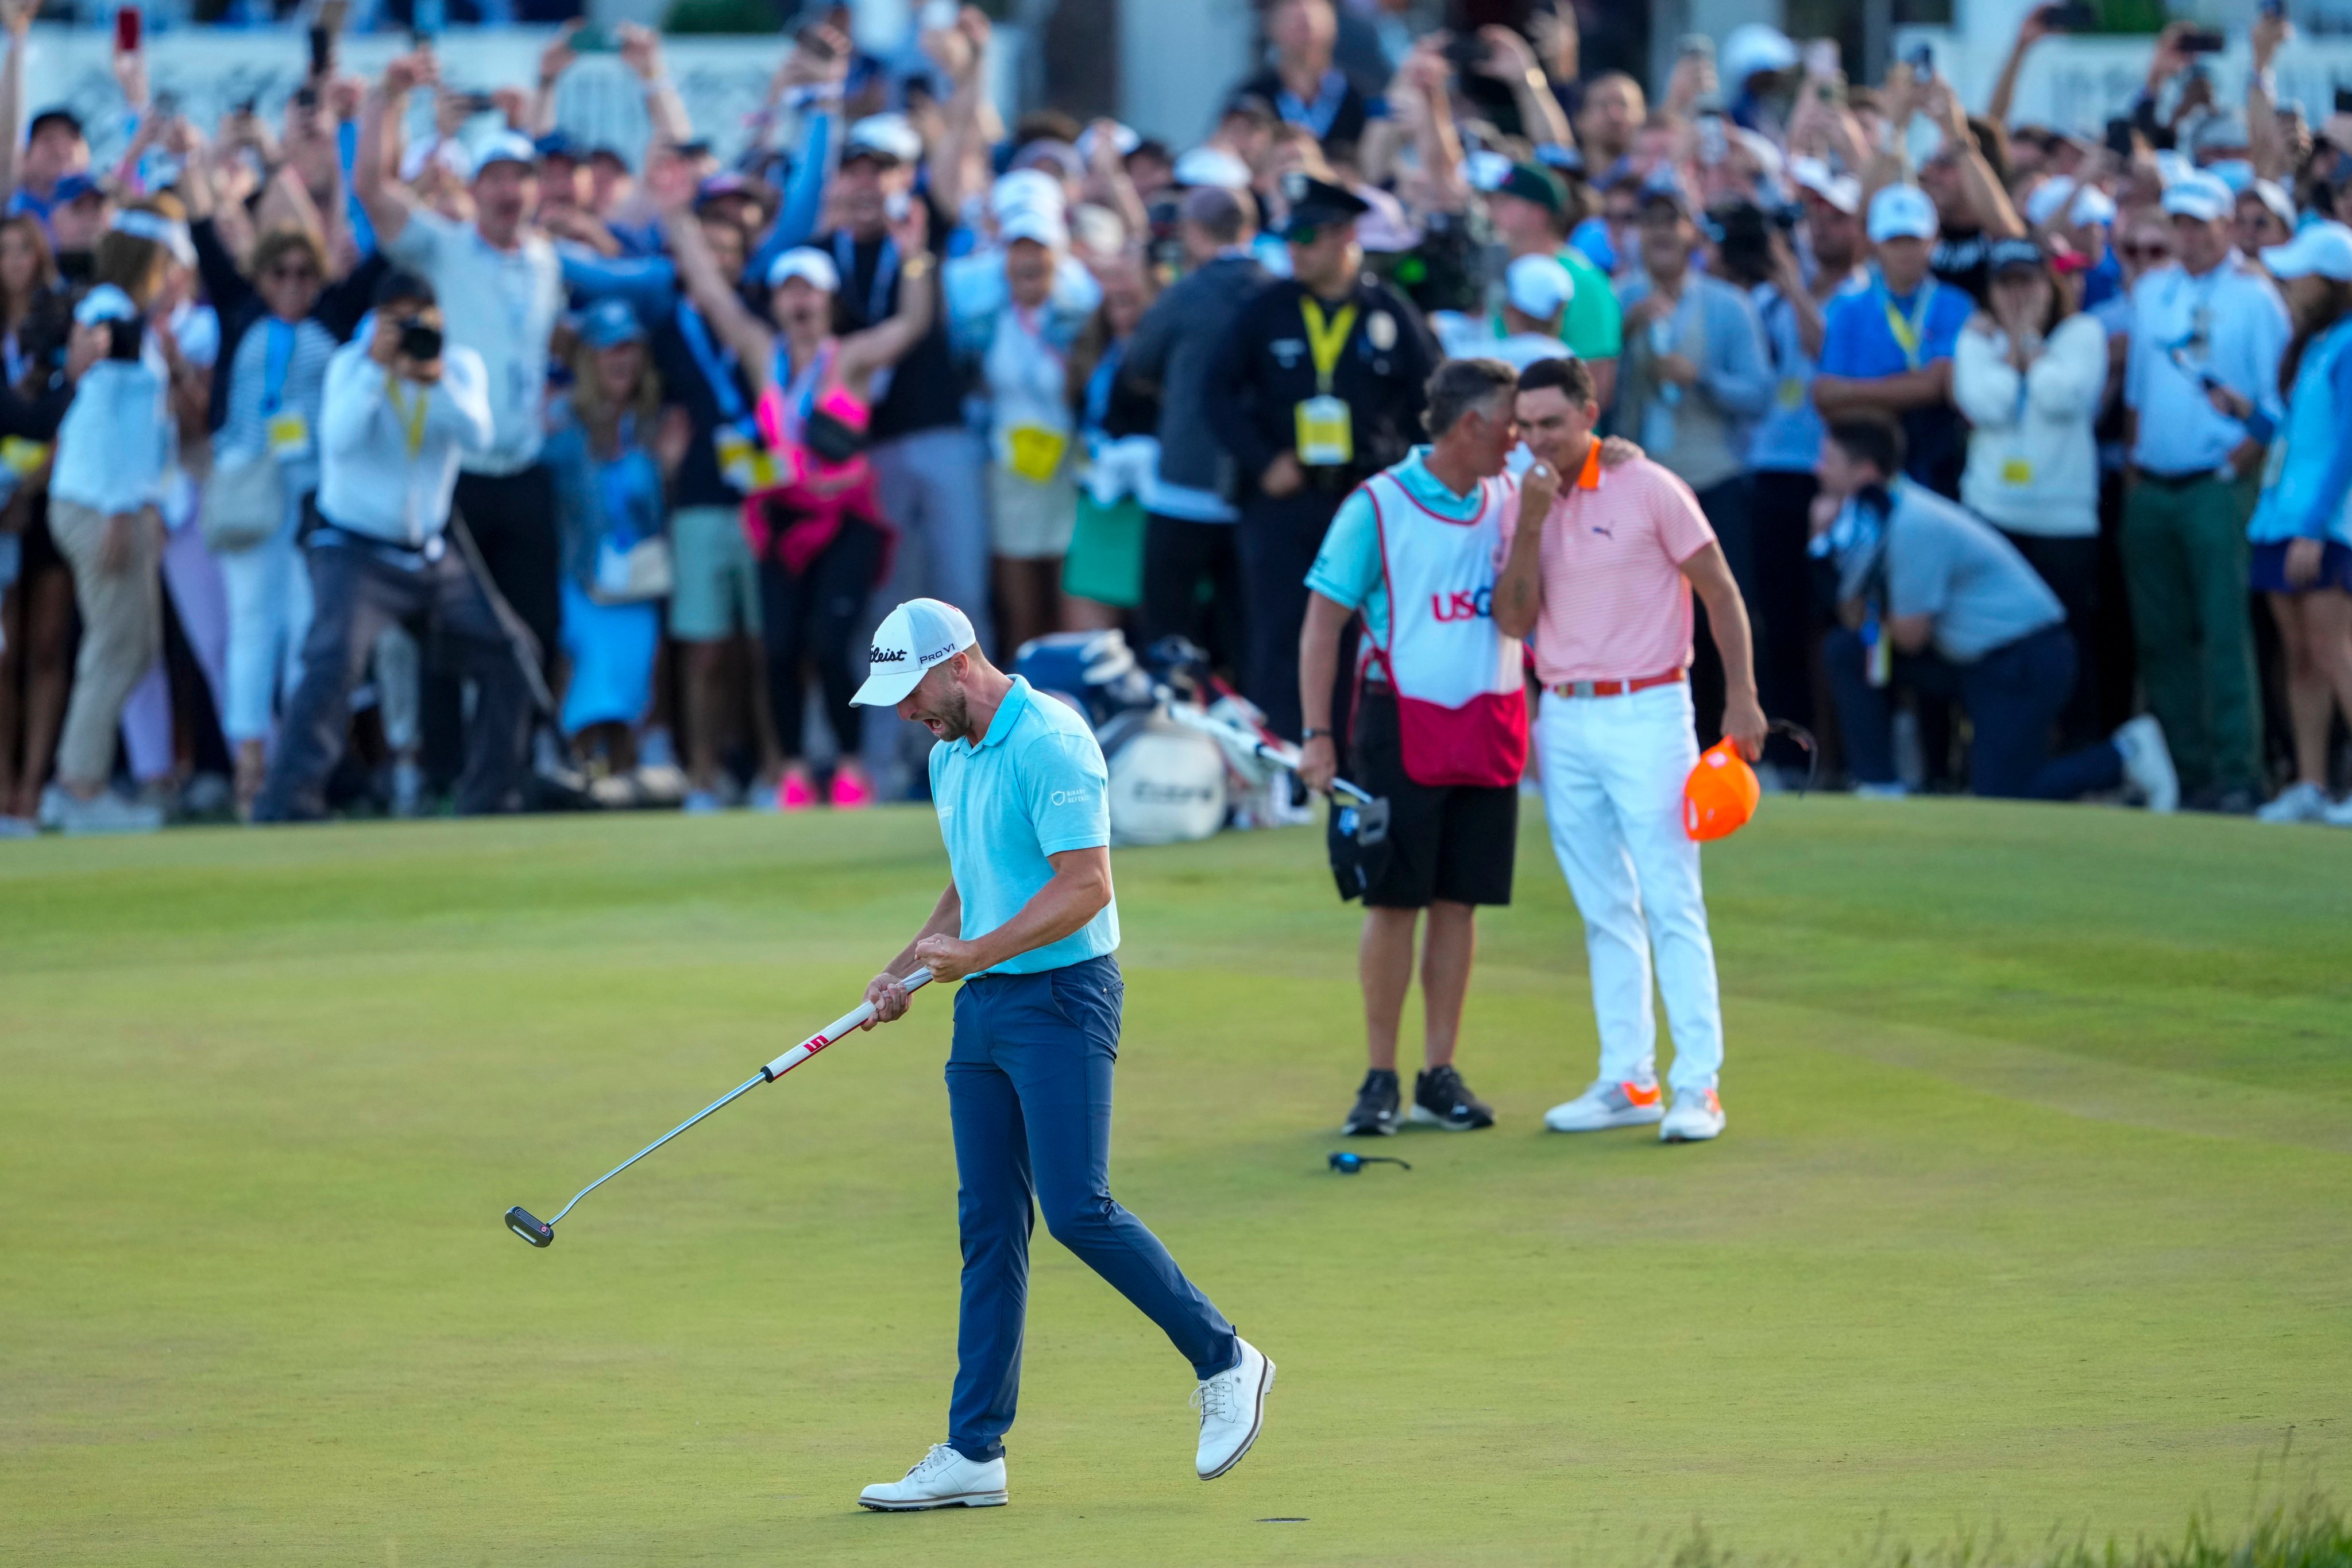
x=1696 y=1117
x=1607 y=1105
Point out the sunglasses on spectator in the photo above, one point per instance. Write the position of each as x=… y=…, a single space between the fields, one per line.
x=2144 y=252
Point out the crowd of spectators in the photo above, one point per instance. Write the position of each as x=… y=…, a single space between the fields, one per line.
x=405 y=452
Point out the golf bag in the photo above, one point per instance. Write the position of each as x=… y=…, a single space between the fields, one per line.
x=1167 y=782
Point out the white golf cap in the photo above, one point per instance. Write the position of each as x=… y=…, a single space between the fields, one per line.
x=1842 y=191
x=1032 y=189
x=2200 y=197
x=1213 y=167
x=2048 y=200
x=1902 y=211
x=1538 y=286
x=448 y=153
x=2092 y=208
x=912 y=638
x=808 y=264
x=1048 y=230
x=1750 y=48
x=2321 y=248
x=2272 y=194
x=505 y=147
x=890 y=136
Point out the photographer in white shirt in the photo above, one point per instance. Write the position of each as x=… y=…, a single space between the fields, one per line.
x=402 y=410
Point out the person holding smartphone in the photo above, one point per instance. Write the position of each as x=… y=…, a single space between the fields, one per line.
x=404 y=407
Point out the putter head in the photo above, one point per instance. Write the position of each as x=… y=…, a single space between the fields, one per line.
x=537 y=1232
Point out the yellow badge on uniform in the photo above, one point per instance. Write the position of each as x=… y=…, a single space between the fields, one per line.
x=1035 y=452
x=2016 y=471
x=289 y=435
x=1326 y=438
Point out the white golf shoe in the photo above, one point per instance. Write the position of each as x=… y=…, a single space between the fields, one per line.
x=1696 y=1117
x=2300 y=801
x=1233 y=1408
x=1607 y=1105
x=941 y=1479
x=2148 y=763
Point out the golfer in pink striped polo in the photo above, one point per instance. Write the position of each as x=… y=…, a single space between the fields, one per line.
x=1599 y=578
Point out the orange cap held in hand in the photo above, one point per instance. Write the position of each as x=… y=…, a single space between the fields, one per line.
x=1720 y=794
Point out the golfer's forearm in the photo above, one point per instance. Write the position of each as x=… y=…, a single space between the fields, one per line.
x=1726 y=616
x=1077 y=893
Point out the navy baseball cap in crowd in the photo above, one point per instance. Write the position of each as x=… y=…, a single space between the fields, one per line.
x=57 y=114
x=556 y=144
x=913 y=639
x=609 y=324
x=74 y=187
x=1317 y=205
x=2016 y=255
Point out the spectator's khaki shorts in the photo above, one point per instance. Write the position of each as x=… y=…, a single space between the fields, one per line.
x=1029 y=521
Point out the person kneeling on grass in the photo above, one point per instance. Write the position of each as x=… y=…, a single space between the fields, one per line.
x=1933 y=596
x=1440 y=720
x=1600 y=573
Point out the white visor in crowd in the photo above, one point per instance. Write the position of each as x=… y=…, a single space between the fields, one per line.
x=810 y=265
x=1538 y=286
x=911 y=640
x=1902 y=211
x=2093 y=207
x=2324 y=249
x=1213 y=167
x=1842 y=191
x=160 y=230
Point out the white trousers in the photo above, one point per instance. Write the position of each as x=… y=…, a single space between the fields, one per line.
x=269 y=615
x=1613 y=769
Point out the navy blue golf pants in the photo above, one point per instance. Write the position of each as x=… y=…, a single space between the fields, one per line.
x=1029 y=1082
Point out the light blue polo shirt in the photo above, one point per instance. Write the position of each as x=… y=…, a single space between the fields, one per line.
x=1036 y=786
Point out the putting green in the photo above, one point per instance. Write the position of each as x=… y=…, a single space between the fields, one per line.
x=2033 y=1212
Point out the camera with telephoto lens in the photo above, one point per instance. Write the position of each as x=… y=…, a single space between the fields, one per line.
x=420 y=342
x=1742 y=232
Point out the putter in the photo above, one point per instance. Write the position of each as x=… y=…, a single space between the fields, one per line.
x=541 y=1232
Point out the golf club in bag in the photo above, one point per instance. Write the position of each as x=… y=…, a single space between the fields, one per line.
x=1357 y=837
x=541 y=1232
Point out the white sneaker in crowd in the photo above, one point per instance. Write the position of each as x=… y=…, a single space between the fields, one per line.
x=2148 y=763
x=1897 y=790
x=107 y=812
x=2339 y=815
x=1696 y=1117
x=1233 y=1409
x=2300 y=801
x=19 y=828
x=1607 y=1105
x=699 y=802
x=941 y=1479
x=407 y=788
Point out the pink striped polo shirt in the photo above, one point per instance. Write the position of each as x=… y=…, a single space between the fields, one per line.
x=1615 y=603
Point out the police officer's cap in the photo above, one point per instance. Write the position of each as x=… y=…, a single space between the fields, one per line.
x=1317 y=204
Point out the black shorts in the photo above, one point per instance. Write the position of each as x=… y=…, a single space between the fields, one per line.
x=1453 y=842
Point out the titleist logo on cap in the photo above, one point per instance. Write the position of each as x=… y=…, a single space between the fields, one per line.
x=886 y=655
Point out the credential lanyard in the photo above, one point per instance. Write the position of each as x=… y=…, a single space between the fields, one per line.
x=1325 y=339
x=276 y=363
x=718 y=369
x=886 y=273
x=412 y=418
x=1910 y=332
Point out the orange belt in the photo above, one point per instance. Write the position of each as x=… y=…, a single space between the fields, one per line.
x=1613 y=688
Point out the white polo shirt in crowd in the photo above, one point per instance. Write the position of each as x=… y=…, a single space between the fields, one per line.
x=503 y=305
x=388 y=450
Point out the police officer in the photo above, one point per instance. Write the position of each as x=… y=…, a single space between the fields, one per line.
x=1320 y=386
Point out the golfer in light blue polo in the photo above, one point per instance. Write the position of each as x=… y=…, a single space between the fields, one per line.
x=1029 y=924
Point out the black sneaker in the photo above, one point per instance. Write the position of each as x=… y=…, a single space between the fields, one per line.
x=1440 y=1097
x=1376 y=1107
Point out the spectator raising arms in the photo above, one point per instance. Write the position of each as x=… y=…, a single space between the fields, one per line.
x=817 y=533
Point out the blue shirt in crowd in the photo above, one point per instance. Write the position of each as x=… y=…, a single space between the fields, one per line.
x=2308 y=488
x=1861 y=343
x=1035 y=786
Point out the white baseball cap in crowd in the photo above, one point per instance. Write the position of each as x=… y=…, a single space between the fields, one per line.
x=1538 y=286
x=891 y=137
x=505 y=147
x=808 y=264
x=448 y=151
x=2200 y=197
x=1842 y=191
x=913 y=639
x=2048 y=200
x=1046 y=228
x=1753 y=47
x=1211 y=167
x=1024 y=188
x=2324 y=249
x=2272 y=194
x=1902 y=211
x=2093 y=207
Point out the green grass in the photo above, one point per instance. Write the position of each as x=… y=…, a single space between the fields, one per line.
x=2030 y=1225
